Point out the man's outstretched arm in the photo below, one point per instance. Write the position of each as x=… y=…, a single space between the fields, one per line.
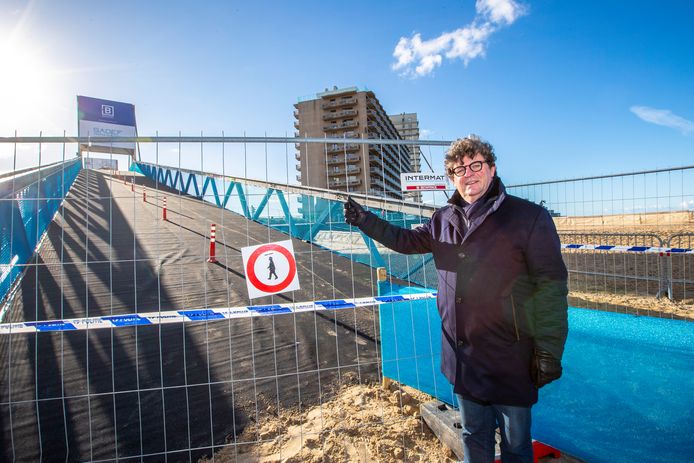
x=402 y=240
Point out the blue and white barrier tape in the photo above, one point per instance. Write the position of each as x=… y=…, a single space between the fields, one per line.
x=198 y=315
x=651 y=249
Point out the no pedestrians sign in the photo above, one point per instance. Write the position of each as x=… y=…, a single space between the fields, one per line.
x=270 y=269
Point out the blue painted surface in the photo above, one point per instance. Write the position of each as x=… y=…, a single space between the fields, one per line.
x=26 y=212
x=626 y=394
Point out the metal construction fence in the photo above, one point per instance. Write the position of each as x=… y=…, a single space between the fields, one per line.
x=635 y=229
x=607 y=209
x=630 y=263
x=123 y=339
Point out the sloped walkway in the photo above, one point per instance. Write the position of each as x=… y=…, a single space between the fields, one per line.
x=160 y=390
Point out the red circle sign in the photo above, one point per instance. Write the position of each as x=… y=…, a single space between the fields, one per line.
x=250 y=268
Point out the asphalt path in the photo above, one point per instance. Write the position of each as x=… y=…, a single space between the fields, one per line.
x=166 y=392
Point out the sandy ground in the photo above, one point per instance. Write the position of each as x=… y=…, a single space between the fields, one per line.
x=638 y=305
x=362 y=423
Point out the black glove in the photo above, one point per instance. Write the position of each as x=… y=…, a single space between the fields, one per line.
x=354 y=213
x=544 y=368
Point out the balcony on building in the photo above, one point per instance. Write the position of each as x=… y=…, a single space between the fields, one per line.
x=340 y=114
x=349 y=134
x=385 y=175
x=342 y=148
x=376 y=192
x=376 y=182
x=383 y=167
x=390 y=153
x=341 y=126
x=350 y=170
x=343 y=183
x=339 y=103
x=341 y=160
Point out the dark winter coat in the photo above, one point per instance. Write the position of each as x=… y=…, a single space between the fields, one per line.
x=502 y=287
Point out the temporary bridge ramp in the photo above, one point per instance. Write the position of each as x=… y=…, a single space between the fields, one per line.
x=169 y=389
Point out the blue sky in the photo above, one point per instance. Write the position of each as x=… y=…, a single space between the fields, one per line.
x=561 y=89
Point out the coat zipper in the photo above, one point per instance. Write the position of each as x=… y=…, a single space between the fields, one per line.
x=515 y=320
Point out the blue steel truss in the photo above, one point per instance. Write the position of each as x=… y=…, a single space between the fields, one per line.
x=310 y=218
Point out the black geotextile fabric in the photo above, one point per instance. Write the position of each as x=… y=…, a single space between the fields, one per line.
x=143 y=390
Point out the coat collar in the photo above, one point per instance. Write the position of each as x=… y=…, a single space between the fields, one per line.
x=488 y=204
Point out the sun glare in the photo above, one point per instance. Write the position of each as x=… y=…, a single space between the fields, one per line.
x=25 y=84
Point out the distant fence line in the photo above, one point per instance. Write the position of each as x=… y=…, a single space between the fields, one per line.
x=618 y=262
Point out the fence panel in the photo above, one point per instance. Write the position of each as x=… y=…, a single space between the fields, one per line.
x=126 y=342
x=681 y=268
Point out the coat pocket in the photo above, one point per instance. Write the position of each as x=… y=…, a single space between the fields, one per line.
x=511 y=316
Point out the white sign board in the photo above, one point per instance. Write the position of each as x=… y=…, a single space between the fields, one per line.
x=418 y=181
x=100 y=163
x=270 y=269
x=99 y=129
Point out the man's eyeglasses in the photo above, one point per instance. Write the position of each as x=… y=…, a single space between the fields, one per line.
x=473 y=166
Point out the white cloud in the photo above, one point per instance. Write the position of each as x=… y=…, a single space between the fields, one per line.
x=424 y=133
x=500 y=11
x=663 y=117
x=416 y=57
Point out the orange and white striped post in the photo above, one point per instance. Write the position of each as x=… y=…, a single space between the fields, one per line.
x=213 y=240
x=144 y=194
x=163 y=211
x=132 y=186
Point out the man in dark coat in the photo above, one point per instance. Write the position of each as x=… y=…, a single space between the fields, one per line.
x=502 y=287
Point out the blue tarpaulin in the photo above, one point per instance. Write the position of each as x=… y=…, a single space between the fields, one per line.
x=626 y=392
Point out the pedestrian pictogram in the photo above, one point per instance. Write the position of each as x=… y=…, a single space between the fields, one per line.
x=270 y=268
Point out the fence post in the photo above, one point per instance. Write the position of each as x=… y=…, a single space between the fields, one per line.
x=665 y=275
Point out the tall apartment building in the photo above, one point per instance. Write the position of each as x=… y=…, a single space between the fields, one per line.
x=349 y=113
x=408 y=127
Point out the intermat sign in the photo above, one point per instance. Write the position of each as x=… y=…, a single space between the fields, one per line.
x=417 y=181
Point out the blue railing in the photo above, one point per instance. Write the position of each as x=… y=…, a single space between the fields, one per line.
x=28 y=202
x=312 y=218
